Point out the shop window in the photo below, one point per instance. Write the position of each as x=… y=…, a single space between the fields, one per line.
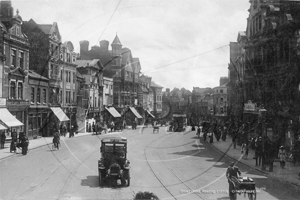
x=12 y=90
x=20 y=90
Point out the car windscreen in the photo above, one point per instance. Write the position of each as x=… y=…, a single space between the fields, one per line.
x=120 y=148
x=109 y=148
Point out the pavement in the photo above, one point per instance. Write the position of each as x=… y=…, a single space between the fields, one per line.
x=288 y=174
x=39 y=142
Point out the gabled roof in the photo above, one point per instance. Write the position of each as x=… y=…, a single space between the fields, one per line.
x=116 y=41
x=96 y=63
x=45 y=28
x=153 y=84
x=36 y=75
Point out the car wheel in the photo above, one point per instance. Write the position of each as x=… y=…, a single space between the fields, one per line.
x=128 y=178
x=100 y=179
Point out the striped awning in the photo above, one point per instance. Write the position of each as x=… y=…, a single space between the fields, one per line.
x=8 y=119
x=113 y=112
x=60 y=114
x=150 y=113
x=135 y=112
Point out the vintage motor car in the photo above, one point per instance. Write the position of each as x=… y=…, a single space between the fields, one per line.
x=113 y=164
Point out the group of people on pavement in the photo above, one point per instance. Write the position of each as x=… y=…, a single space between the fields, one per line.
x=20 y=142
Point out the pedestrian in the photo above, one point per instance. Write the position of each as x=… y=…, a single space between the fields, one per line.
x=13 y=143
x=64 y=130
x=211 y=138
x=24 y=144
x=112 y=126
x=258 y=151
x=71 y=134
x=61 y=130
x=234 y=140
x=3 y=139
x=232 y=175
x=282 y=156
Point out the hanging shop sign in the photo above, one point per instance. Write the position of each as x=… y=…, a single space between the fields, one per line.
x=249 y=106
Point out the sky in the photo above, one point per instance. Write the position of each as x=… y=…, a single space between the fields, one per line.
x=180 y=43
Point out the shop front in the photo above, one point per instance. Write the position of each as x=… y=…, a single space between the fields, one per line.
x=132 y=115
x=56 y=118
x=11 y=124
x=37 y=122
x=111 y=114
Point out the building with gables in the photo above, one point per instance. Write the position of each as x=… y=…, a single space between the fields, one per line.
x=264 y=67
x=14 y=67
x=91 y=71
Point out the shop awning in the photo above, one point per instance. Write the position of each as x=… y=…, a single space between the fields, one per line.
x=113 y=112
x=60 y=114
x=135 y=112
x=7 y=118
x=2 y=127
x=150 y=113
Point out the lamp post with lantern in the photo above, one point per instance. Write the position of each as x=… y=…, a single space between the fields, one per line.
x=262 y=113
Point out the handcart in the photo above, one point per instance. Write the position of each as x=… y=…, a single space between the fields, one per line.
x=245 y=185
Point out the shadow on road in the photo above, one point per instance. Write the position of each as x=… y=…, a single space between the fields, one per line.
x=91 y=181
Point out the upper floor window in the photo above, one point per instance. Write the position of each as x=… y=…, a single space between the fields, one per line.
x=44 y=96
x=74 y=77
x=13 y=57
x=13 y=90
x=20 y=90
x=221 y=91
x=68 y=57
x=38 y=95
x=32 y=94
x=21 y=59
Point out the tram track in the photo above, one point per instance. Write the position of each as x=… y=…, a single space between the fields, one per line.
x=172 y=171
x=151 y=169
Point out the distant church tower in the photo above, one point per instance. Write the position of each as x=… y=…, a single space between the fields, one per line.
x=116 y=51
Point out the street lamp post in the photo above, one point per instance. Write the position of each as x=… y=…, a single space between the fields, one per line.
x=262 y=113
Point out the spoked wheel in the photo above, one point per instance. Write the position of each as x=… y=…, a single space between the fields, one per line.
x=252 y=196
x=100 y=179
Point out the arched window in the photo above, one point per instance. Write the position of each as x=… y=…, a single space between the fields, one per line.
x=20 y=90
x=13 y=90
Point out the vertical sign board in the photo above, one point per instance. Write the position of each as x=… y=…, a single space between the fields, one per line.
x=2 y=102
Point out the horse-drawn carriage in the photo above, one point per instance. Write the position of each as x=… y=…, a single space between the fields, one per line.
x=113 y=165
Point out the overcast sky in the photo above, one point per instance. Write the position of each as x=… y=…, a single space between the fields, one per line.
x=180 y=43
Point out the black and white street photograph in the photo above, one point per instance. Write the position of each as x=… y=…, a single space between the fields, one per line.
x=149 y=99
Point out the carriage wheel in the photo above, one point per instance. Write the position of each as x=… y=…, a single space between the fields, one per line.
x=252 y=196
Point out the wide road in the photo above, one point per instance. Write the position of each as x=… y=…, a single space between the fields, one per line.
x=171 y=165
